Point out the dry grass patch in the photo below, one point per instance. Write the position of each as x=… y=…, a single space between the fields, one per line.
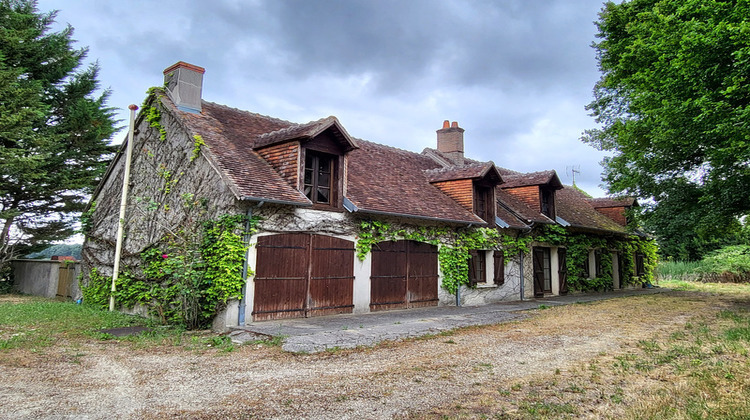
x=680 y=355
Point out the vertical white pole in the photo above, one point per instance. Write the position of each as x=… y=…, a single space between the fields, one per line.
x=123 y=204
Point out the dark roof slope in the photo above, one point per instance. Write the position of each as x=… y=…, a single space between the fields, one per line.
x=384 y=179
x=574 y=207
x=517 y=207
x=229 y=135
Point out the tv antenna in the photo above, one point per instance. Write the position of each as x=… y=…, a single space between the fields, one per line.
x=571 y=171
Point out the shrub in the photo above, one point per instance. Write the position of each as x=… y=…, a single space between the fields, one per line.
x=728 y=264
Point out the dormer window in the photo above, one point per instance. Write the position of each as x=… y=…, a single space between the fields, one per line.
x=319 y=172
x=483 y=203
x=548 y=202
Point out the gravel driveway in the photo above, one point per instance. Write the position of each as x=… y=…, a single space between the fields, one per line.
x=111 y=379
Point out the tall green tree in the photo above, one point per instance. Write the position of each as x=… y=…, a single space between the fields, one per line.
x=673 y=103
x=54 y=129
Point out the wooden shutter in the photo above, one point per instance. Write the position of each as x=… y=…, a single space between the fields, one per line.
x=499 y=264
x=538 y=272
x=473 y=260
x=562 y=272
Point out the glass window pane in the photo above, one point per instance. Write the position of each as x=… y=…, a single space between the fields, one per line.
x=323 y=194
x=324 y=180
x=324 y=165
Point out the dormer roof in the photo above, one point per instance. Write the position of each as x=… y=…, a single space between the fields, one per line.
x=308 y=131
x=532 y=178
x=609 y=202
x=479 y=170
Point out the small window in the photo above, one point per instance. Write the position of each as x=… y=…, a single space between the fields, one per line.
x=483 y=205
x=547 y=266
x=477 y=267
x=640 y=268
x=548 y=202
x=586 y=271
x=598 y=262
x=318 y=182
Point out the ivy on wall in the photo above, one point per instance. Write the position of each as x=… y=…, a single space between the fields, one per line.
x=190 y=273
x=188 y=278
x=454 y=247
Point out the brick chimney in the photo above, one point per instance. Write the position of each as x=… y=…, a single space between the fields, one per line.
x=184 y=84
x=450 y=142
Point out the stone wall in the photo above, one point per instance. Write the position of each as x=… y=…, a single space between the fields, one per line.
x=41 y=278
x=171 y=189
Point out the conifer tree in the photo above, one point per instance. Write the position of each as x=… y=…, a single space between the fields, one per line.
x=54 y=130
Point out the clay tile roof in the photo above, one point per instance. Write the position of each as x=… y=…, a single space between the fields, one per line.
x=443 y=160
x=229 y=135
x=385 y=179
x=599 y=203
x=307 y=130
x=470 y=171
x=509 y=217
x=573 y=206
x=531 y=178
x=518 y=208
x=506 y=171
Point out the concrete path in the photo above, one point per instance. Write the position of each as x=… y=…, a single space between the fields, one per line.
x=316 y=334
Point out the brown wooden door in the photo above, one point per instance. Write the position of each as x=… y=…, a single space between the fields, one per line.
x=388 y=277
x=281 y=276
x=331 y=276
x=65 y=277
x=562 y=272
x=422 y=280
x=404 y=275
x=538 y=272
x=300 y=275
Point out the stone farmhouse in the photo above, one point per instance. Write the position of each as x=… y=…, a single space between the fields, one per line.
x=346 y=225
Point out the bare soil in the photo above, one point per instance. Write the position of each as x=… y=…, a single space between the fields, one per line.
x=415 y=378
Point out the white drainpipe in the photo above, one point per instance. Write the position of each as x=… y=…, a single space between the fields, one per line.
x=123 y=205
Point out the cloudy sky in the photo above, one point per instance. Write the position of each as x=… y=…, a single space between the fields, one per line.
x=515 y=74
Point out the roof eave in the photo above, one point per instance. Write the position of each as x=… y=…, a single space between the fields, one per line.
x=275 y=201
x=353 y=208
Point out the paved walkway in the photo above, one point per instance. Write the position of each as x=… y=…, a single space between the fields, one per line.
x=352 y=330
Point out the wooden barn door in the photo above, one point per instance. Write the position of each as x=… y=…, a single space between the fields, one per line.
x=300 y=275
x=281 y=276
x=331 y=276
x=388 y=278
x=422 y=279
x=404 y=275
x=562 y=257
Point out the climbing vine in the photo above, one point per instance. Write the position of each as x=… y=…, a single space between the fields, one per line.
x=454 y=247
x=152 y=113
x=188 y=278
x=86 y=221
x=197 y=144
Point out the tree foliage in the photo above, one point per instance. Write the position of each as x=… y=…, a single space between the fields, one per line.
x=673 y=102
x=53 y=129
